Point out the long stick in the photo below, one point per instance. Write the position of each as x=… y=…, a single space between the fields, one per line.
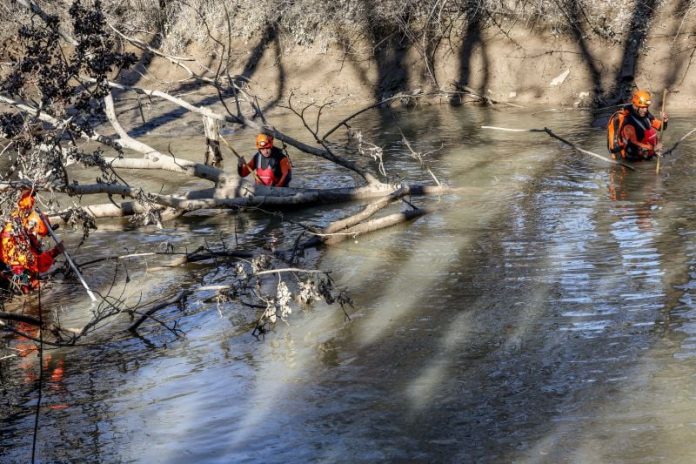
x=570 y=144
x=676 y=144
x=662 y=127
x=241 y=158
x=67 y=256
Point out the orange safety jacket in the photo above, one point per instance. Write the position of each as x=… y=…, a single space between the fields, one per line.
x=20 y=246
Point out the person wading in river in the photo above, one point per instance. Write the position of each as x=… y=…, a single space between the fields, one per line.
x=632 y=132
x=21 y=250
x=270 y=165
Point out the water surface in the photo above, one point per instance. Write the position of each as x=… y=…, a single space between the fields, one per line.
x=544 y=314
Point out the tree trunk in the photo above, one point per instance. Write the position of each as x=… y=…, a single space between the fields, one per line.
x=212 y=142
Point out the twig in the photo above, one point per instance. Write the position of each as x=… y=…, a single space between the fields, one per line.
x=419 y=157
x=289 y=269
x=179 y=297
x=676 y=144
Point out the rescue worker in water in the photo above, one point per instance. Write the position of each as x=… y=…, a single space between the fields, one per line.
x=21 y=250
x=269 y=164
x=639 y=131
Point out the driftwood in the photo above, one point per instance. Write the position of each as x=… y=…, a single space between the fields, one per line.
x=242 y=195
x=374 y=225
x=353 y=226
x=570 y=144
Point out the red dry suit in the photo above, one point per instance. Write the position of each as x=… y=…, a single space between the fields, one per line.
x=639 y=135
x=274 y=170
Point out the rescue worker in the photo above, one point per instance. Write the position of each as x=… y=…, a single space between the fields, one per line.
x=269 y=164
x=639 y=131
x=20 y=245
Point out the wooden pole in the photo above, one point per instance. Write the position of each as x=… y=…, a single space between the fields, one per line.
x=67 y=257
x=662 y=127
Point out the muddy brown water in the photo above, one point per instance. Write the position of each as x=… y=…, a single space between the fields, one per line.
x=546 y=314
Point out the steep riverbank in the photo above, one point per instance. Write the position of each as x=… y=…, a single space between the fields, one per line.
x=563 y=54
x=588 y=63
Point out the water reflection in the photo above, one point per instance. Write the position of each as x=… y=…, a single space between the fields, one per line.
x=547 y=314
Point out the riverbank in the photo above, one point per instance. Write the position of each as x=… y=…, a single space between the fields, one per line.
x=518 y=64
x=585 y=54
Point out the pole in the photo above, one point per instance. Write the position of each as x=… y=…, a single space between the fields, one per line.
x=239 y=157
x=662 y=127
x=67 y=256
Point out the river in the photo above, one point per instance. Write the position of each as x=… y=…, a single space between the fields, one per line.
x=545 y=314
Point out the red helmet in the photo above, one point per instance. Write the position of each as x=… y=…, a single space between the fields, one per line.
x=264 y=141
x=641 y=98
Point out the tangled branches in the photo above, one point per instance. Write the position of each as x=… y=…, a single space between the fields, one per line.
x=63 y=91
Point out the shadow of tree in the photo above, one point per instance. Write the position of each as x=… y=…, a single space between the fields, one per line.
x=472 y=40
x=269 y=40
x=638 y=29
x=680 y=58
x=574 y=16
x=389 y=47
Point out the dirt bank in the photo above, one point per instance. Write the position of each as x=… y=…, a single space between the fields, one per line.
x=517 y=65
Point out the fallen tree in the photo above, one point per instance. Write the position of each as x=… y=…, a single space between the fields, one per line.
x=61 y=93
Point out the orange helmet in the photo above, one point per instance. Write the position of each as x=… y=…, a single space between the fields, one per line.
x=641 y=98
x=264 y=141
x=26 y=200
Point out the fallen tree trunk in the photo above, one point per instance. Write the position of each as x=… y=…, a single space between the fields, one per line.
x=171 y=206
x=163 y=162
x=375 y=224
x=369 y=210
x=274 y=197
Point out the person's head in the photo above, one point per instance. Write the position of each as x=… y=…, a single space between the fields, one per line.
x=641 y=100
x=27 y=200
x=264 y=143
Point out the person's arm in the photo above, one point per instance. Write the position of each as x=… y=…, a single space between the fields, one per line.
x=284 y=170
x=629 y=135
x=244 y=169
x=658 y=123
x=45 y=260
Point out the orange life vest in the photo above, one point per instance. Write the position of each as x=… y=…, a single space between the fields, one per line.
x=615 y=142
